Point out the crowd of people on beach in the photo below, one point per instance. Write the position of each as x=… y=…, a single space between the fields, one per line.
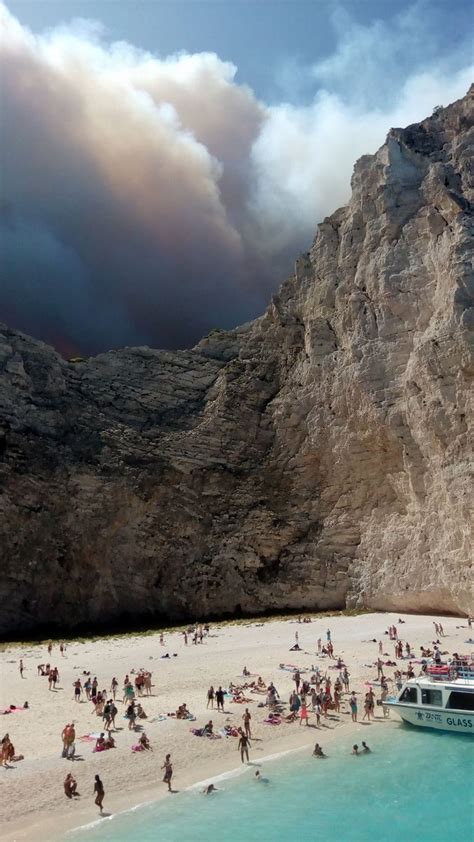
x=319 y=693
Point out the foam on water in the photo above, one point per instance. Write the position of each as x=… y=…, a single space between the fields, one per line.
x=415 y=784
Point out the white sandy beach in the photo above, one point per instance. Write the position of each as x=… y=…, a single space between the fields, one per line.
x=33 y=804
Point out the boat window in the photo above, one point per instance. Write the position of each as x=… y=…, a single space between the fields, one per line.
x=409 y=695
x=431 y=697
x=461 y=701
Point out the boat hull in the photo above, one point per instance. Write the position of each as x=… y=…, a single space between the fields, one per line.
x=460 y=723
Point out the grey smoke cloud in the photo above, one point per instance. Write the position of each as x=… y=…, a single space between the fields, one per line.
x=148 y=200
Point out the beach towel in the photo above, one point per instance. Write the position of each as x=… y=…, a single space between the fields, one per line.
x=200 y=732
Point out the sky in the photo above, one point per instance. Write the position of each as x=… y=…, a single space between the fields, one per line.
x=162 y=164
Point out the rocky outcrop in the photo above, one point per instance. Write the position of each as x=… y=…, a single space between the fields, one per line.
x=318 y=457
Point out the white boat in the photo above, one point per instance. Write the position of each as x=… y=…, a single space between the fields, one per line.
x=442 y=699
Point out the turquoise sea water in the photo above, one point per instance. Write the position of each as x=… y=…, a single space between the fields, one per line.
x=417 y=784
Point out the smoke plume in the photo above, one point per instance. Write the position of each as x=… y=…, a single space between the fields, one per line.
x=148 y=200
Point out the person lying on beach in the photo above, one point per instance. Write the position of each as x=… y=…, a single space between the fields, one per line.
x=70 y=786
x=14 y=708
x=273 y=719
x=318 y=752
x=230 y=731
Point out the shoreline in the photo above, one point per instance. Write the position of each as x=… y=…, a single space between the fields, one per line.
x=192 y=781
x=138 y=798
x=34 y=805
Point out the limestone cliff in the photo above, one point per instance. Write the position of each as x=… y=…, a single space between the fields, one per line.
x=315 y=458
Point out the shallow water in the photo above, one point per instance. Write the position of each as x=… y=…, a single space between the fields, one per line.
x=416 y=784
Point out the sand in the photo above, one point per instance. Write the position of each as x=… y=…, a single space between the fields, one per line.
x=33 y=804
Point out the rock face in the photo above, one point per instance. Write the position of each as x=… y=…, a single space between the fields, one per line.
x=318 y=457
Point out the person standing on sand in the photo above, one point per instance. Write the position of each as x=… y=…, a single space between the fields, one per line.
x=353 y=707
x=380 y=647
x=100 y=793
x=21 y=668
x=210 y=697
x=220 y=699
x=246 y=718
x=243 y=746
x=50 y=647
x=113 y=687
x=68 y=737
x=167 y=766
x=319 y=645
x=304 y=712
